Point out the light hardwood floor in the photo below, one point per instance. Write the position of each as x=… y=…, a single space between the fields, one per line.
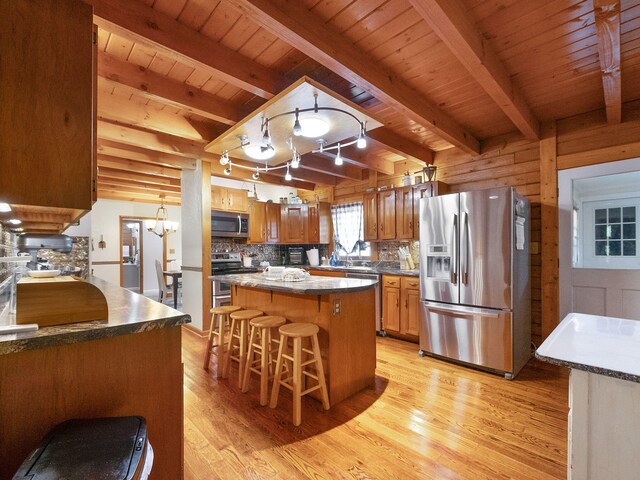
x=424 y=419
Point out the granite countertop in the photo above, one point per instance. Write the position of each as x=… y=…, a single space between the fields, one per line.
x=309 y=286
x=603 y=345
x=381 y=270
x=128 y=313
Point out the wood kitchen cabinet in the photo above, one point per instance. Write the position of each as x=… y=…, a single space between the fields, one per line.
x=47 y=146
x=387 y=215
x=293 y=222
x=404 y=213
x=370 y=213
x=229 y=199
x=318 y=223
x=401 y=306
x=424 y=190
x=257 y=222
x=272 y=221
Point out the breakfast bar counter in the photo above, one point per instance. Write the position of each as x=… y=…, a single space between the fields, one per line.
x=343 y=308
x=127 y=364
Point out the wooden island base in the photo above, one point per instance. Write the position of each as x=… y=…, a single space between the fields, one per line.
x=347 y=331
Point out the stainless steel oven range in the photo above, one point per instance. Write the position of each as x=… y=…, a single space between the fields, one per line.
x=223 y=263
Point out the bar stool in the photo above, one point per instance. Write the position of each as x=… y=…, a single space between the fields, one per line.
x=221 y=314
x=261 y=326
x=238 y=341
x=299 y=331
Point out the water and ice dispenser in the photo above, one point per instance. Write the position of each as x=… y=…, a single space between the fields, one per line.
x=439 y=262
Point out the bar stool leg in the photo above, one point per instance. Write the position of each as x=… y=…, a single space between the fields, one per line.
x=207 y=357
x=264 y=366
x=222 y=325
x=320 y=371
x=227 y=354
x=278 y=377
x=250 y=355
x=297 y=381
x=243 y=350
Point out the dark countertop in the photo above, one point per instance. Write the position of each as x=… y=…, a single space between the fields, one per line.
x=310 y=286
x=128 y=313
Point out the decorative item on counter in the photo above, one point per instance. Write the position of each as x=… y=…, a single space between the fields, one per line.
x=247 y=258
x=406 y=180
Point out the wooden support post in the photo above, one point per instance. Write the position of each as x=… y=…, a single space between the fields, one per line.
x=549 y=216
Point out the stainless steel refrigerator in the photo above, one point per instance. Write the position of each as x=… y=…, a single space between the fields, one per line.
x=474 y=279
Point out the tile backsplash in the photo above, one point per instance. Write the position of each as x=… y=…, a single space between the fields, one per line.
x=7 y=249
x=79 y=256
x=388 y=251
x=275 y=254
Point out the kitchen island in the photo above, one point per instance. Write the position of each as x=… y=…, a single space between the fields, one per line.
x=343 y=308
x=127 y=364
x=603 y=354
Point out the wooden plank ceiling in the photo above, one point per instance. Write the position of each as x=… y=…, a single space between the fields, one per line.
x=174 y=74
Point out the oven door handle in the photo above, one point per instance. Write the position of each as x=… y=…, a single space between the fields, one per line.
x=239 y=225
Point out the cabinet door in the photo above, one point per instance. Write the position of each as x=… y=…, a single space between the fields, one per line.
x=257 y=228
x=272 y=222
x=47 y=100
x=237 y=200
x=370 y=212
x=404 y=213
x=387 y=215
x=293 y=221
x=391 y=309
x=218 y=198
x=313 y=223
x=410 y=317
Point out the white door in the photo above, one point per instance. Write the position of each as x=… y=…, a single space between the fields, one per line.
x=599 y=242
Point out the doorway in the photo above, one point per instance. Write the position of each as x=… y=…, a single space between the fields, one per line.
x=599 y=234
x=140 y=250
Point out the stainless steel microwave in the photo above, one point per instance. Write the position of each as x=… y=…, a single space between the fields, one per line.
x=228 y=224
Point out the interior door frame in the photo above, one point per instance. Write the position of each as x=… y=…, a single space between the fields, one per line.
x=139 y=219
x=565 y=205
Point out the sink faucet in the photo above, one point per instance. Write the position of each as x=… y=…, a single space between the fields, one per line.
x=349 y=262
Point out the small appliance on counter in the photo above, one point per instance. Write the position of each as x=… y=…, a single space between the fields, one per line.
x=295 y=256
x=33 y=242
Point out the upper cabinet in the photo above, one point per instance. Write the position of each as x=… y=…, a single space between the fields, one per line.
x=294 y=223
x=272 y=222
x=370 y=212
x=289 y=223
x=257 y=222
x=318 y=222
x=387 y=215
x=404 y=213
x=47 y=145
x=229 y=199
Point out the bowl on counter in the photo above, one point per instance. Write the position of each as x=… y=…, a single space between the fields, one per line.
x=44 y=273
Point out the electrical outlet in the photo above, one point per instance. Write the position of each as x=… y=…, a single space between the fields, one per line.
x=336 y=307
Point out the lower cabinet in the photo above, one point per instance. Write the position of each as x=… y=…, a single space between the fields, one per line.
x=327 y=273
x=401 y=306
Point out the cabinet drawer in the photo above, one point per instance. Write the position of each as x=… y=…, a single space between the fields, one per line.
x=390 y=281
x=411 y=283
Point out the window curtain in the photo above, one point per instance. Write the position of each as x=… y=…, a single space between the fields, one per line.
x=348 y=227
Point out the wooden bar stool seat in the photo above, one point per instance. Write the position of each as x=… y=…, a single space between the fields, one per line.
x=238 y=341
x=298 y=332
x=260 y=343
x=217 y=330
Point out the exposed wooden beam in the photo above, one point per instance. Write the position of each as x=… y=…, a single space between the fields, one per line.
x=160 y=88
x=137 y=177
x=122 y=110
x=117 y=182
x=138 y=188
x=400 y=145
x=361 y=159
x=135 y=20
x=116 y=163
x=158 y=141
x=317 y=163
x=109 y=194
x=607 y=13
x=295 y=24
x=450 y=21
x=143 y=155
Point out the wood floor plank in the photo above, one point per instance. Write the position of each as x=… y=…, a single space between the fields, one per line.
x=423 y=419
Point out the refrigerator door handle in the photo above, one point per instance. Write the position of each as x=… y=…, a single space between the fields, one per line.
x=463 y=311
x=454 y=251
x=464 y=251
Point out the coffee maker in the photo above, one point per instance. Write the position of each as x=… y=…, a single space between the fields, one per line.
x=295 y=256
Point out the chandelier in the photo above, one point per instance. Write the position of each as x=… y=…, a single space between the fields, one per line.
x=161 y=226
x=306 y=117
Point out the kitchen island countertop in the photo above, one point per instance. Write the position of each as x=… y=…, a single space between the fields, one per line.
x=309 y=286
x=128 y=313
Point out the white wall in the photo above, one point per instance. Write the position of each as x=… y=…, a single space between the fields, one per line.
x=105 y=223
x=265 y=191
x=152 y=251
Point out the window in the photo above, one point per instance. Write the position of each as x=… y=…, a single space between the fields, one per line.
x=348 y=230
x=615 y=231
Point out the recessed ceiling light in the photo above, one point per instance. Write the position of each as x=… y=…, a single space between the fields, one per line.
x=4 y=207
x=313 y=127
x=259 y=152
x=15 y=221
